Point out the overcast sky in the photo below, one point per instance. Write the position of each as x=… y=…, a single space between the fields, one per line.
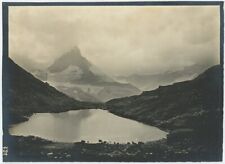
x=119 y=40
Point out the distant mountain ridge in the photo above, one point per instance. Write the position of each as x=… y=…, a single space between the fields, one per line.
x=75 y=76
x=147 y=82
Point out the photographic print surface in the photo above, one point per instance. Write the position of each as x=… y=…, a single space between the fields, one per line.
x=121 y=82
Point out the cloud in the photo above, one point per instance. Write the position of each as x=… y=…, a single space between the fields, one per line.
x=119 y=40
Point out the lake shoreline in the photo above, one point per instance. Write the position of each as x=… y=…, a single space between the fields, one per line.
x=170 y=149
x=36 y=149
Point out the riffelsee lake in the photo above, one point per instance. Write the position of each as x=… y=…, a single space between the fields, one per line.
x=90 y=125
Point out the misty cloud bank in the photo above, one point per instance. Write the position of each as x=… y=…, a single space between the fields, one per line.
x=119 y=40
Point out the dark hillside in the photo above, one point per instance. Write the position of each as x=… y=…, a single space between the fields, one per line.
x=23 y=95
x=190 y=110
x=163 y=105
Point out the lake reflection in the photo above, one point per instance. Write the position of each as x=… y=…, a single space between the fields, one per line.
x=89 y=125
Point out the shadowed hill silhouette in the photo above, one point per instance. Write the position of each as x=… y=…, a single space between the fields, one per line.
x=23 y=95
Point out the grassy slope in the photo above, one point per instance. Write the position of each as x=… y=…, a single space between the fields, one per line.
x=165 y=106
x=190 y=110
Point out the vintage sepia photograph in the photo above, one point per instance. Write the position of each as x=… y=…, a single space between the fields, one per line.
x=112 y=81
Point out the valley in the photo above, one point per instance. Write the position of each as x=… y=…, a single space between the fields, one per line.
x=191 y=111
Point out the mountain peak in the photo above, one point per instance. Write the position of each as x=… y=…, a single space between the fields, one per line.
x=71 y=57
x=75 y=50
x=73 y=54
